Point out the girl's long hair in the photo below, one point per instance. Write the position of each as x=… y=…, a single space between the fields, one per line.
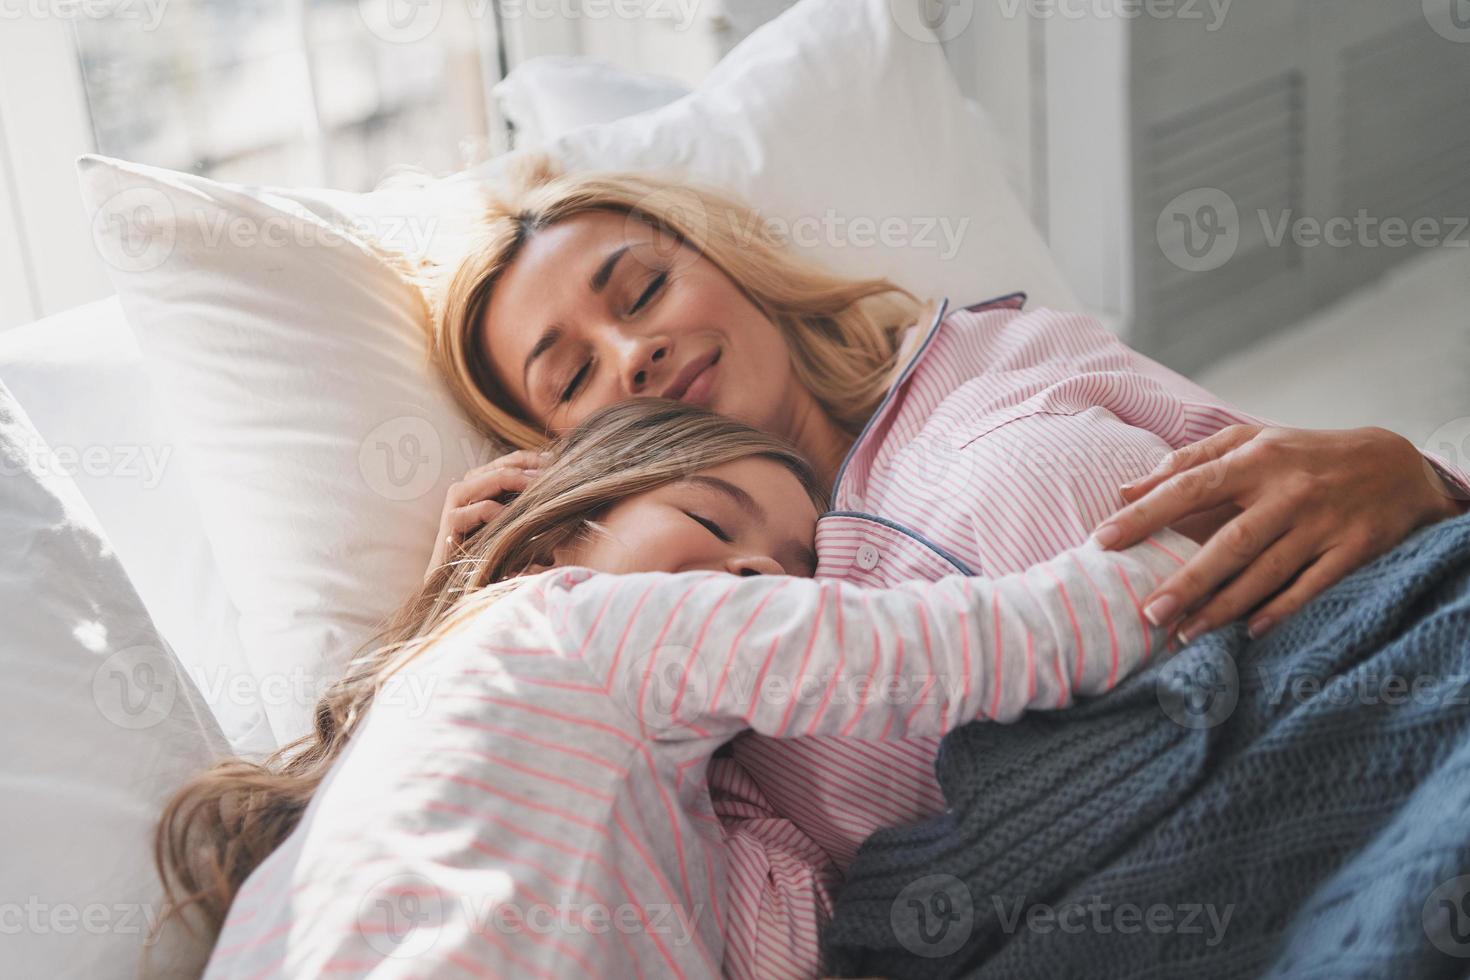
x=222 y=825
x=843 y=334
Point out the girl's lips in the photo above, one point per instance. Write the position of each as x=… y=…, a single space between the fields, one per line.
x=695 y=384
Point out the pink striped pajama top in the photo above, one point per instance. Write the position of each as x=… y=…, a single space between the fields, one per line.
x=528 y=798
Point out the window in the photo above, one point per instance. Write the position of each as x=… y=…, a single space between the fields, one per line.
x=287 y=91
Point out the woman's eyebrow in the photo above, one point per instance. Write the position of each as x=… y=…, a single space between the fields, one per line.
x=545 y=343
x=604 y=272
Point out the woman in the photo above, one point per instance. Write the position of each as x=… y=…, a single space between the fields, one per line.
x=939 y=443
x=554 y=779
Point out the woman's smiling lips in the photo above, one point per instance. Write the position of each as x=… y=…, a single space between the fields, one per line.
x=695 y=384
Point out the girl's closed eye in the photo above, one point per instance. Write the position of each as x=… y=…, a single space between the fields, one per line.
x=710 y=526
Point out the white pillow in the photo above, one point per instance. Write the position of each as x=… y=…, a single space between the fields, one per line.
x=841 y=120
x=101 y=726
x=547 y=96
x=310 y=425
x=79 y=376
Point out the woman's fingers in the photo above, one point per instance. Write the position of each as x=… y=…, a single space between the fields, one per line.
x=467 y=519
x=1323 y=573
x=1187 y=457
x=495 y=479
x=1202 y=487
x=1263 y=578
x=1235 y=546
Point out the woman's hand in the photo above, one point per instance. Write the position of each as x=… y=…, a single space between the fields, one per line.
x=471 y=502
x=1312 y=506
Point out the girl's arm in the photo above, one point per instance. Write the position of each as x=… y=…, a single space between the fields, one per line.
x=706 y=655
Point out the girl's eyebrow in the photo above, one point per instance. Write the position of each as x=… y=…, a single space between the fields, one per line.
x=738 y=496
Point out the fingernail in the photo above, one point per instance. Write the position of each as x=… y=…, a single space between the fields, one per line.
x=1107 y=535
x=1128 y=486
x=532 y=473
x=1259 y=625
x=1190 y=631
x=545 y=454
x=1161 y=610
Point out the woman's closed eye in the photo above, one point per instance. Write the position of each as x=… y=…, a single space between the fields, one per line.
x=573 y=386
x=710 y=526
x=654 y=285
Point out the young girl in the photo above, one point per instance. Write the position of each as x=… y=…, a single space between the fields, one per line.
x=514 y=783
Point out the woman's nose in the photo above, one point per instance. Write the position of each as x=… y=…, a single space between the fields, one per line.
x=754 y=565
x=645 y=365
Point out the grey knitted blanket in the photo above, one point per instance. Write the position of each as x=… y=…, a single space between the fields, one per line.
x=1298 y=806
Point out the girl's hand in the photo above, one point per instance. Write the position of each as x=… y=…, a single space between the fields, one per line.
x=1313 y=506
x=472 y=501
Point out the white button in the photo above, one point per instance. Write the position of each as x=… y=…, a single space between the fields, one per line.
x=867 y=557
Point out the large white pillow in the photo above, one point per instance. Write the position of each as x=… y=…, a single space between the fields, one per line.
x=101 y=726
x=842 y=122
x=292 y=359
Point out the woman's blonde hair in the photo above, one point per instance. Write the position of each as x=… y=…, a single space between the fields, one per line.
x=843 y=333
x=224 y=823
